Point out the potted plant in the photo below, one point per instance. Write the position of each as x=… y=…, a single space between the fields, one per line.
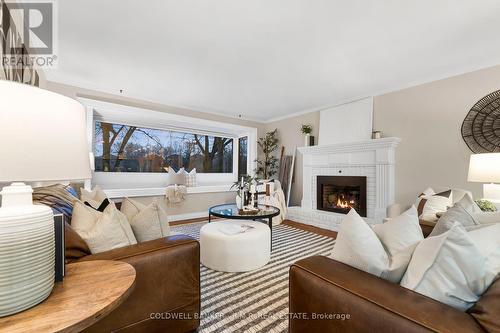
x=306 y=130
x=243 y=186
x=268 y=165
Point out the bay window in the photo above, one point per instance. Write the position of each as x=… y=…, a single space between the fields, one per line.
x=133 y=148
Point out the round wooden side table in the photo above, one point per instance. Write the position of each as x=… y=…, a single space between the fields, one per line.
x=90 y=291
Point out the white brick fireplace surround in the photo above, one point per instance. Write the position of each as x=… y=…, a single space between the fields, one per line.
x=374 y=159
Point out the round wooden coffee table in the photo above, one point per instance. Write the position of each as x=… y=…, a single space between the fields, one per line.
x=90 y=291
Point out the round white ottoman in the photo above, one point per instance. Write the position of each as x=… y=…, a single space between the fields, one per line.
x=241 y=252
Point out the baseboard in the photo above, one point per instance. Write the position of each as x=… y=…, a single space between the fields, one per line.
x=310 y=228
x=188 y=216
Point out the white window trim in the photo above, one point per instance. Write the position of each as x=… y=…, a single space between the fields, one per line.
x=160 y=191
x=148 y=183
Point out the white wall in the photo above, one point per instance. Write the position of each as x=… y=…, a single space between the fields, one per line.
x=348 y=122
x=429 y=118
x=290 y=136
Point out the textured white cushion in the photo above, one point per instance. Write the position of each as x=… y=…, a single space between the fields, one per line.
x=176 y=178
x=400 y=232
x=190 y=178
x=102 y=231
x=357 y=245
x=450 y=268
x=456 y=214
x=148 y=222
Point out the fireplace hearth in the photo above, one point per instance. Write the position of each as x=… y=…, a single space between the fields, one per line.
x=341 y=193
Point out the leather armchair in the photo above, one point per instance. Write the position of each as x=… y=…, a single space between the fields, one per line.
x=166 y=296
x=320 y=285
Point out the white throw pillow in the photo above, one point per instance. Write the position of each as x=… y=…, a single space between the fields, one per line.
x=94 y=197
x=190 y=178
x=487 y=240
x=469 y=204
x=400 y=232
x=176 y=178
x=449 y=268
x=148 y=222
x=358 y=245
x=456 y=214
x=429 y=203
x=102 y=231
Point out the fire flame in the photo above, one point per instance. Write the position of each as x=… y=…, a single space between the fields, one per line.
x=344 y=203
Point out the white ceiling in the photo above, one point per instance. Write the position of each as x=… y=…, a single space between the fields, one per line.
x=265 y=59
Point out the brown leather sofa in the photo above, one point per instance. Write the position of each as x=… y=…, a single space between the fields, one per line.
x=329 y=296
x=166 y=296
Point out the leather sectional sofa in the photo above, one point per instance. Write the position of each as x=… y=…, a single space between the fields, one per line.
x=321 y=287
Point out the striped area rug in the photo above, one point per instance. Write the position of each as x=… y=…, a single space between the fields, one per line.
x=255 y=301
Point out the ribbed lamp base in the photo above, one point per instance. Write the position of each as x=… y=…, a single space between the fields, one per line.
x=27 y=250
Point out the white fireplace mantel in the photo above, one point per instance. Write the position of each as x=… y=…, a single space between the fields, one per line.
x=374 y=159
x=352 y=147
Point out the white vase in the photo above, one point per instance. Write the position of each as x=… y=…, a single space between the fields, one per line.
x=239 y=202
x=27 y=247
x=307 y=139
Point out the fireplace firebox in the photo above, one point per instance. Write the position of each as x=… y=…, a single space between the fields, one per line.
x=341 y=193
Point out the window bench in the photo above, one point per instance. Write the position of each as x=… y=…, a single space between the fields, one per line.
x=159 y=191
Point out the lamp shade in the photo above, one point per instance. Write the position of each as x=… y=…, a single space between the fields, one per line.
x=42 y=135
x=484 y=168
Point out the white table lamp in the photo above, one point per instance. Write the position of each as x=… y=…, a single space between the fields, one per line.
x=485 y=168
x=42 y=138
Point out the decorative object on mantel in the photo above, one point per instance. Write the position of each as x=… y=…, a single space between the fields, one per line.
x=36 y=127
x=481 y=126
x=306 y=129
x=267 y=167
x=376 y=135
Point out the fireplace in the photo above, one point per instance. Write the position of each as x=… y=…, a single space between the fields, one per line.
x=341 y=193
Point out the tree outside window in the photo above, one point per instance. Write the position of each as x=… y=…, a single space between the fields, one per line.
x=124 y=148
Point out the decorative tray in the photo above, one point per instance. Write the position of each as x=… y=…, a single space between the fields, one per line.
x=254 y=211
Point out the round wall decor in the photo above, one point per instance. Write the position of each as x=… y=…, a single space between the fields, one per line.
x=481 y=126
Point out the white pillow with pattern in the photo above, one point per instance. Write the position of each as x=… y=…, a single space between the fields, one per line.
x=191 y=178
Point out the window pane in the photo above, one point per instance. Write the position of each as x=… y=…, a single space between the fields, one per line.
x=242 y=156
x=123 y=148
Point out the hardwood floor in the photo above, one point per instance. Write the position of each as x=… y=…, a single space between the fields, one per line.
x=320 y=231
x=198 y=219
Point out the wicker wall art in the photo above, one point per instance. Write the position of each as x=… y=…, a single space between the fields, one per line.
x=481 y=126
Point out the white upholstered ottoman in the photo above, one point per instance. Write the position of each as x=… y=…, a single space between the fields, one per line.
x=241 y=252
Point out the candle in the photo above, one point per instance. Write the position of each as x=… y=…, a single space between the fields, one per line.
x=241 y=182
